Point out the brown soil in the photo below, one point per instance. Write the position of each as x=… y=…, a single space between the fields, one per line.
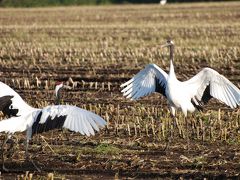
x=99 y=51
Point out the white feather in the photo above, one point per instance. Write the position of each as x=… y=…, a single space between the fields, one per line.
x=143 y=83
x=17 y=101
x=220 y=87
x=178 y=93
x=78 y=120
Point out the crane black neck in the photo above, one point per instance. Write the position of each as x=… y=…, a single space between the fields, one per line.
x=58 y=97
x=171 y=48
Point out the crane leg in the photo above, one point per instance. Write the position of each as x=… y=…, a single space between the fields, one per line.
x=26 y=150
x=28 y=157
x=3 y=161
x=171 y=133
x=169 y=139
x=10 y=150
x=187 y=136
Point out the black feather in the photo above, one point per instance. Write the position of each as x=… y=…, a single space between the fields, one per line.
x=206 y=95
x=159 y=87
x=49 y=124
x=199 y=106
x=6 y=106
x=205 y=98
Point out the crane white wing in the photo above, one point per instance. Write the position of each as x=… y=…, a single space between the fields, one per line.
x=6 y=90
x=70 y=117
x=150 y=79
x=16 y=102
x=209 y=83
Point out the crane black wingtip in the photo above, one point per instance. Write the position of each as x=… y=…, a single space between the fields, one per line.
x=5 y=106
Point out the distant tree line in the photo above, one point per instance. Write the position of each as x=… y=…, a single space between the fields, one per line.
x=37 y=3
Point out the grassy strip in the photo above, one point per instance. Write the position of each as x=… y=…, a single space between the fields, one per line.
x=43 y=3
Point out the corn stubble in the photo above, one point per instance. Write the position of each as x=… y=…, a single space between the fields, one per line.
x=94 y=50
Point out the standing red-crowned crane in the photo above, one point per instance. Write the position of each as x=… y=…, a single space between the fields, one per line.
x=23 y=117
x=187 y=95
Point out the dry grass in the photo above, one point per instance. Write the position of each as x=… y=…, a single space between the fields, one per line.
x=95 y=49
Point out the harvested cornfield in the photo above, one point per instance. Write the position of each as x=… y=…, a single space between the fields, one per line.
x=94 y=50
